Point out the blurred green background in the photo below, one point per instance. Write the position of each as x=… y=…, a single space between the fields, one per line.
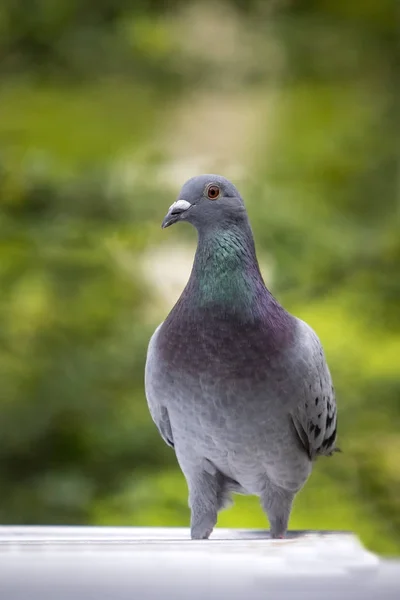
x=106 y=108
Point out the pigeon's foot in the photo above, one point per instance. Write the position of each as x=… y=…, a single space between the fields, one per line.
x=204 y=492
x=277 y=504
x=201 y=527
x=198 y=535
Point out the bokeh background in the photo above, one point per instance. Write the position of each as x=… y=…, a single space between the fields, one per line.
x=106 y=108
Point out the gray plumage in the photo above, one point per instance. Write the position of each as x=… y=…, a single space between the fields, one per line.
x=235 y=384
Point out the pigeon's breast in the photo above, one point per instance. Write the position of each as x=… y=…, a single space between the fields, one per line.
x=223 y=346
x=228 y=396
x=223 y=371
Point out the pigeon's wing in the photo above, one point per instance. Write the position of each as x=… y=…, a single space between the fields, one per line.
x=315 y=416
x=158 y=412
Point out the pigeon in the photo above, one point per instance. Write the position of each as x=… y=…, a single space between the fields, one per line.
x=235 y=384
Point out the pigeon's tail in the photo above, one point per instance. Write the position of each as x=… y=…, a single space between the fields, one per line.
x=233 y=486
x=228 y=486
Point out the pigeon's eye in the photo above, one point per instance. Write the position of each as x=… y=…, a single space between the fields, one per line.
x=213 y=192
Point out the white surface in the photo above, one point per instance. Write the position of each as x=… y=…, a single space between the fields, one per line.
x=62 y=563
x=332 y=552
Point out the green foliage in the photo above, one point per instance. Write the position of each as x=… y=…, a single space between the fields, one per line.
x=83 y=98
x=71 y=355
x=66 y=39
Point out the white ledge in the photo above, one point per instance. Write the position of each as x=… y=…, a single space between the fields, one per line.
x=44 y=563
x=334 y=551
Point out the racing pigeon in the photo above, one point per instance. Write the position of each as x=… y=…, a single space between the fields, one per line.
x=238 y=386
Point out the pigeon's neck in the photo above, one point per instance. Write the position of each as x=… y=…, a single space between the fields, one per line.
x=225 y=272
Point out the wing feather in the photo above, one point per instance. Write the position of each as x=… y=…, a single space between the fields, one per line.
x=158 y=412
x=315 y=418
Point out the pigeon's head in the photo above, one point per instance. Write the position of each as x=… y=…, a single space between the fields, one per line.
x=206 y=200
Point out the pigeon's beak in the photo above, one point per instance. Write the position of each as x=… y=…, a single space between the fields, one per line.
x=175 y=211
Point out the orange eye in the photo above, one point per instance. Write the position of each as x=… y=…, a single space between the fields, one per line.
x=213 y=192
